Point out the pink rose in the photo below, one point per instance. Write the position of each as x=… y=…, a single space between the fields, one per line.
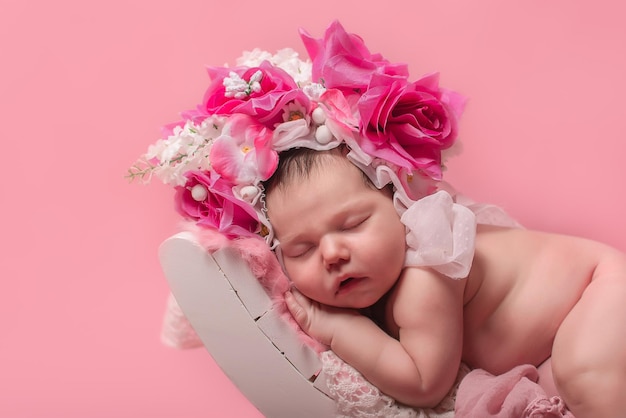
x=409 y=124
x=208 y=199
x=273 y=90
x=341 y=60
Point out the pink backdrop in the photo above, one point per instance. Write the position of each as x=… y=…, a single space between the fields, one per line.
x=84 y=87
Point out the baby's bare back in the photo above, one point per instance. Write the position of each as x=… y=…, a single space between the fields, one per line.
x=521 y=287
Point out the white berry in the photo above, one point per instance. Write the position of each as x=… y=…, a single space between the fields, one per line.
x=323 y=135
x=199 y=193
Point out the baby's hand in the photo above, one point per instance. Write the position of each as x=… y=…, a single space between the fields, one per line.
x=317 y=320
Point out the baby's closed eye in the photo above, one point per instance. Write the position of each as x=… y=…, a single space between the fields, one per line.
x=297 y=251
x=354 y=223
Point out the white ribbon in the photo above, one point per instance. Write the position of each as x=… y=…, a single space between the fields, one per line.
x=440 y=234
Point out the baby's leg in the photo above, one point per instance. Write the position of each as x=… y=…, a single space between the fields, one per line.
x=546 y=379
x=589 y=352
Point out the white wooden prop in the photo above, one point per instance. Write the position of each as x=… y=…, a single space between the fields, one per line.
x=233 y=316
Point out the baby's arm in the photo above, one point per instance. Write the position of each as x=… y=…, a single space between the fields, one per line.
x=417 y=369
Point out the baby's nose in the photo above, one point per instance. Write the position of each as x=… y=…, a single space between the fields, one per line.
x=334 y=250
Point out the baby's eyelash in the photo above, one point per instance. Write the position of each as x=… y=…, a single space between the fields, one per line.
x=352 y=225
x=301 y=253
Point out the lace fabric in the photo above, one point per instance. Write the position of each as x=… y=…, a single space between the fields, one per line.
x=357 y=398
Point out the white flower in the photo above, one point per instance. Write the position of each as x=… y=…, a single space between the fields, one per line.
x=305 y=73
x=314 y=91
x=186 y=149
x=239 y=88
x=212 y=126
x=294 y=111
x=254 y=58
x=286 y=59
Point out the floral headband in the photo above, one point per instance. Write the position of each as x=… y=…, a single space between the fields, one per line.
x=219 y=155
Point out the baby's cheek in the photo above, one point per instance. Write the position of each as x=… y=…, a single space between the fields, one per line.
x=297 y=275
x=393 y=243
x=309 y=283
x=289 y=270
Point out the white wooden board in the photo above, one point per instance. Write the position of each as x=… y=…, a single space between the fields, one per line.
x=232 y=315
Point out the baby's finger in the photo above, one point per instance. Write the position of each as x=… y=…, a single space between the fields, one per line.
x=300 y=298
x=291 y=301
x=296 y=309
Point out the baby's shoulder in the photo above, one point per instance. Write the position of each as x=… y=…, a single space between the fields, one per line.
x=422 y=290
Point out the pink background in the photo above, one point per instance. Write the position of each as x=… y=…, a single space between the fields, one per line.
x=85 y=86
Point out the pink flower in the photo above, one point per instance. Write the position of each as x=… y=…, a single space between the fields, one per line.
x=208 y=199
x=338 y=109
x=409 y=124
x=243 y=154
x=341 y=60
x=270 y=90
x=341 y=120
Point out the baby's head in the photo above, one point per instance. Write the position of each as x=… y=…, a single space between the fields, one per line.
x=221 y=158
x=340 y=238
x=296 y=164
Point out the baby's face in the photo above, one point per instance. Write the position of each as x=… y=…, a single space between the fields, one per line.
x=342 y=241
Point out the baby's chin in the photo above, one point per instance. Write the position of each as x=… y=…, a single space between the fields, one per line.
x=360 y=302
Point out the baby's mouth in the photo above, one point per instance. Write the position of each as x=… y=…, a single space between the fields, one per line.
x=345 y=282
x=348 y=283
